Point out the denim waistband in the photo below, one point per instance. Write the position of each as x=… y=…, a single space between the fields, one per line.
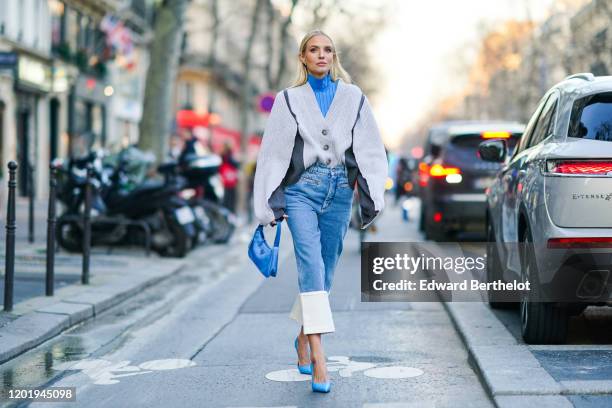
x=322 y=168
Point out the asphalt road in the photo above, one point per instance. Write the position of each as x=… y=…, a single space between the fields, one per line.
x=217 y=335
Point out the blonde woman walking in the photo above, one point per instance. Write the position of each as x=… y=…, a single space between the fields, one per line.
x=321 y=142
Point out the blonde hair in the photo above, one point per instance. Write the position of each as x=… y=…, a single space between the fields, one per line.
x=336 y=70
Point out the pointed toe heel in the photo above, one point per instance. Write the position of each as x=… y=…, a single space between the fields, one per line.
x=321 y=387
x=303 y=369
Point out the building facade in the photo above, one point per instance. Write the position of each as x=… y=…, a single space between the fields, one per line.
x=71 y=79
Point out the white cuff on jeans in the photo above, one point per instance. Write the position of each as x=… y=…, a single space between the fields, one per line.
x=312 y=310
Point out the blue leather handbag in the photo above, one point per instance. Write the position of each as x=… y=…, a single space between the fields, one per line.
x=264 y=257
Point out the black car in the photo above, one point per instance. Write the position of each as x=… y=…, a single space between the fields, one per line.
x=436 y=137
x=453 y=179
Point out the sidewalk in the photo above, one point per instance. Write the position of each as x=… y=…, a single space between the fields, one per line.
x=39 y=318
x=30 y=258
x=113 y=278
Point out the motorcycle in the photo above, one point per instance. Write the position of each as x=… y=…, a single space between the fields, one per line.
x=205 y=193
x=127 y=209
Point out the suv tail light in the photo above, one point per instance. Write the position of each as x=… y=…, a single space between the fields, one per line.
x=582 y=242
x=579 y=167
x=438 y=170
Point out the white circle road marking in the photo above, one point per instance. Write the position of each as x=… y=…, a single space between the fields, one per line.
x=287 y=375
x=167 y=364
x=393 y=372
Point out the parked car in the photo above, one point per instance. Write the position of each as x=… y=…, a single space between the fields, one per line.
x=436 y=136
x=549 y=210
x=453 y=179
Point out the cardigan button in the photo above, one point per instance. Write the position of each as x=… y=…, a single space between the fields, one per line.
x=328 y=161
x=324 y=131
x=325 y=147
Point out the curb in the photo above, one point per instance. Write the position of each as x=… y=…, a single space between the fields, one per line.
x=502 y=363
x=35 y=327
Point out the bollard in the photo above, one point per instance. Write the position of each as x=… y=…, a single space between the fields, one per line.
x=51 y=232
x=87 y=227
x=31 y=203
x=9 y=261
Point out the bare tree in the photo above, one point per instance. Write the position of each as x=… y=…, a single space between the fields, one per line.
x=164 y=57
x=245 y=100
x=274 y=81
x=353 y=45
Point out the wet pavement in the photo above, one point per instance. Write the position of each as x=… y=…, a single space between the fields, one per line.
x=30 y=272
x=27 y=286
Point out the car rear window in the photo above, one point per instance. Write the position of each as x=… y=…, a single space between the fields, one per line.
x=591 y=117
x=472 y=141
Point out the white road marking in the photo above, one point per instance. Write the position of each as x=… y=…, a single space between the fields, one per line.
x=103 y=372
x=420 y=404
x=345 y=367
x=287 y=375
x=167 y=364
x=349 y=367
x=393 y=372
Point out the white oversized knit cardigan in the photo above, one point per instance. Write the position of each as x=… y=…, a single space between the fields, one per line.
x=327 y=139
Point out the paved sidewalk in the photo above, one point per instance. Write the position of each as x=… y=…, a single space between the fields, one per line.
x=113 y=278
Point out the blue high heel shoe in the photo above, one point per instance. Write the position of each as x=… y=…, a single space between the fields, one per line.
x=320 y=387
x=303 y=369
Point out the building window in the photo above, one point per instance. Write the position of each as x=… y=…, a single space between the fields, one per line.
x=20 y=21
x=186 y=95
x=58 y=23
x=72 y=28
x=3 y=14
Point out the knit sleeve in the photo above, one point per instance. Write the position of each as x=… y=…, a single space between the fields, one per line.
x=273 y=158
x=370 y=155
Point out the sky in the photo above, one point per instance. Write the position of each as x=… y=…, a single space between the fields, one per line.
x=420 y=49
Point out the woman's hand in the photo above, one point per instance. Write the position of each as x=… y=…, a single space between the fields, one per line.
x=284 y=217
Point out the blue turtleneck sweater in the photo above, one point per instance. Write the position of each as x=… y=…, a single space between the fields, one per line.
x=324 y=90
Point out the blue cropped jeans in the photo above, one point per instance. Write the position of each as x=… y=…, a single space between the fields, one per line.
x=319 y=210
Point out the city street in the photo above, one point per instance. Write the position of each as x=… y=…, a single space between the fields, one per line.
x=143 y=142
x=215 y=335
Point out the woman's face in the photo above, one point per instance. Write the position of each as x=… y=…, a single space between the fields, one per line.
x=318 y=55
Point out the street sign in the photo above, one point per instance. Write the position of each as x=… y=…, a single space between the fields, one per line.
x=8 y=59
x=265 y=102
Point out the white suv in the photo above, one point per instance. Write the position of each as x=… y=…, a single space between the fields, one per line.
x=549 y=211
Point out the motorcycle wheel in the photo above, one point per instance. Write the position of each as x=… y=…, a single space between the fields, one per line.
x=69 y=235
x=221 y=228
x=202 y=225
x=181 y=242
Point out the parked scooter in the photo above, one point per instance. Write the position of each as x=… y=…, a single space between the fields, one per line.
x=129 y=208
x=205 y=191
